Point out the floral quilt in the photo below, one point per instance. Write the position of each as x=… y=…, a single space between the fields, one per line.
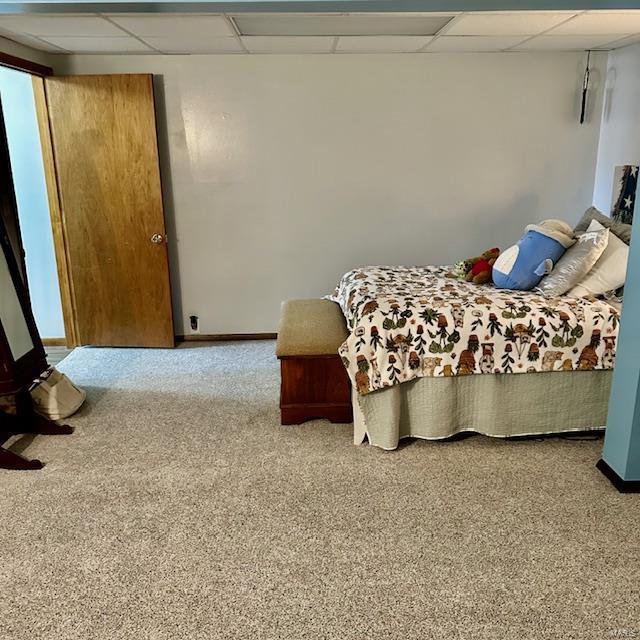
x=411 y=322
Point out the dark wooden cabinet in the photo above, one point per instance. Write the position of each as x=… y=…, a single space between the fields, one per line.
x=314 y=387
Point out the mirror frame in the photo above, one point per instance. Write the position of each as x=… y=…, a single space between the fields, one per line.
x=15 y=375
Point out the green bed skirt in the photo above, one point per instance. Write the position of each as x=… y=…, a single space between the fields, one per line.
x=499 y=405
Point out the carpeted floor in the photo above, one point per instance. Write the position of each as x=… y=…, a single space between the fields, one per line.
x=181 y=509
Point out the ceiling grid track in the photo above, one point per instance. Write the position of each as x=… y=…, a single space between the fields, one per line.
x=549 y=30
x=128 y=33
x=236 y=33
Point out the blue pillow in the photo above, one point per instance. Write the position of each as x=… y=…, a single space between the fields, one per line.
x=523 y=265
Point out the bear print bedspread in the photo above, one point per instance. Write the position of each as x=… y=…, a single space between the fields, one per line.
x=411 y=322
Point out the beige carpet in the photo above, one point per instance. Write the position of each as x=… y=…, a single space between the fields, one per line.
x=181 y=509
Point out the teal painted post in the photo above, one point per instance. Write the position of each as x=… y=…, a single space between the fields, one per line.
x=622 y=441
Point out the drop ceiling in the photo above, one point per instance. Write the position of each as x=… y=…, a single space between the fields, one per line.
x=339 y=33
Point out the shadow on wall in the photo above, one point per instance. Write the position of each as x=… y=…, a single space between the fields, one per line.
x=168 y=199
x=609 y=92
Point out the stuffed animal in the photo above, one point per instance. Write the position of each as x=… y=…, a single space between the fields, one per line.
x=523 y=265
x=461 y=268
x=478 y=269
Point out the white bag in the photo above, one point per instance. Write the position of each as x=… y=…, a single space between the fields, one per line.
x=55 y=397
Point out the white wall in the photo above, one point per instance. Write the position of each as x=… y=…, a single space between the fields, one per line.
x=620 y=130
x=283 y=172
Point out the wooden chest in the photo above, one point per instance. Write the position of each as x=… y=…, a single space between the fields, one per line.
x=314 y=387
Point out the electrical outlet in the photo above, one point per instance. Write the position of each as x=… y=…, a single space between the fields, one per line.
x=194 y=324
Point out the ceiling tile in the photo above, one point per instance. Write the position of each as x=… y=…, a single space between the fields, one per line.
x=339 y=25
x=473 y=43
x=374 y=44
x=174 y=25
x=79 y=44
x=506 y=24
x=622 y=42
x=30 y=41
x=601 y=22
x=43 y=25
x=178 y=43
x=564 y=43
x=293 y=44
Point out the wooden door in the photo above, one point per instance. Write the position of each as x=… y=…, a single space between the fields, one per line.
x=103 y=135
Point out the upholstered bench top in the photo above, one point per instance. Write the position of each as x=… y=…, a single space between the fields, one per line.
x=310 y=328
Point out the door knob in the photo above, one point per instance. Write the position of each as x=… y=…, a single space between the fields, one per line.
x=157 y=238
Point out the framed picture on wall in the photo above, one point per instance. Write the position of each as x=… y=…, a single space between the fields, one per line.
x=625 y=182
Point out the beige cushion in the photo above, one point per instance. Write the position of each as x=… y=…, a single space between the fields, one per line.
x=310 y=328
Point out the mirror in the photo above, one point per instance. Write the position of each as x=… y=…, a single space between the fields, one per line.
x=11 y=314
x=22 y=357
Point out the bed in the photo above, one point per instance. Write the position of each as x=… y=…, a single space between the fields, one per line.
x=430 y=356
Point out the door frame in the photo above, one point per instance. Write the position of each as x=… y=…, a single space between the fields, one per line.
x=20 y=64
x=38 y=73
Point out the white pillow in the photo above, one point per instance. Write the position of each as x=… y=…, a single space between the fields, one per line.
x=608 y=273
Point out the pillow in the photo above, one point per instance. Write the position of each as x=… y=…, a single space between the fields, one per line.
x=622 y=231
x=609 y=272
x=522 y=266
x=575 y=263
